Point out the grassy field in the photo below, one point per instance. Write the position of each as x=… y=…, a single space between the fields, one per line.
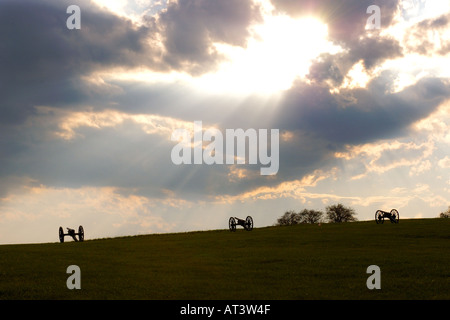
x=296 y=262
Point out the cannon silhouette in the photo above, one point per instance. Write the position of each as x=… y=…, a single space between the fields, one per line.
x=247 y=223
x=393 y=216
x=72 y=233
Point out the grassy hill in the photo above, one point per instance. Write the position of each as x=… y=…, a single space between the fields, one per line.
x=296 y=262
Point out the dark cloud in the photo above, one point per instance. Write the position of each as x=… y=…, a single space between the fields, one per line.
x=373 y=51
x=360 y=115
x=36 y=40
x=42 y=60
x=190 y=27
x=332 y=68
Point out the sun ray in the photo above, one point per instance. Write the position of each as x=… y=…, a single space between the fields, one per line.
x=280 y=51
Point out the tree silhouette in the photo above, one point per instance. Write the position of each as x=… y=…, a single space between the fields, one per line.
x=290 y=217
x=339 y=213
x=445 y=214
x=310 y=216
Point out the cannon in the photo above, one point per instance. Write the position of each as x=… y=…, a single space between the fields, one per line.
x=247 y=223
x=393 y=216
x=72 y=233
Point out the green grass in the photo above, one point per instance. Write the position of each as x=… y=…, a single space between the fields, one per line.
x=296 y=262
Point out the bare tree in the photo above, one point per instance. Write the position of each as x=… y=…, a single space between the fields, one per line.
x=288 y=218
x=339 y=213
x=310 y=216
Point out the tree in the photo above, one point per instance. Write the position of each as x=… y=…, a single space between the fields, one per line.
x=289 y=218
x=445 y=214
x=310 y=216
x=339 y=213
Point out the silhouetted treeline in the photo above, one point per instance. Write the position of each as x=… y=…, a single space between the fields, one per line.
x=333 y=214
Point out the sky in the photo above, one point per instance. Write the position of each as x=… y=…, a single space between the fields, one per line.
x=88 y=115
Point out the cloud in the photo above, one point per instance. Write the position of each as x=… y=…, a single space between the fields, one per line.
x=430 y=36
x=444 y=163
x=346 y=19
x=69 y=122
x=42 y=61
x=292 y=189
x=383 y=156
x=370 y=114
x=332 y=69
x=189 y=29
x=373 y=51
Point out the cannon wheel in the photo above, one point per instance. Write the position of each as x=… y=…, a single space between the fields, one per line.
x=232 y=224
x=379 y=217
x=81 y=233
x=61 y=235
x=248 y=223
x=395 y=216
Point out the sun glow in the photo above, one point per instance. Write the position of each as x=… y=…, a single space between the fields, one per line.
x=280 y=51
